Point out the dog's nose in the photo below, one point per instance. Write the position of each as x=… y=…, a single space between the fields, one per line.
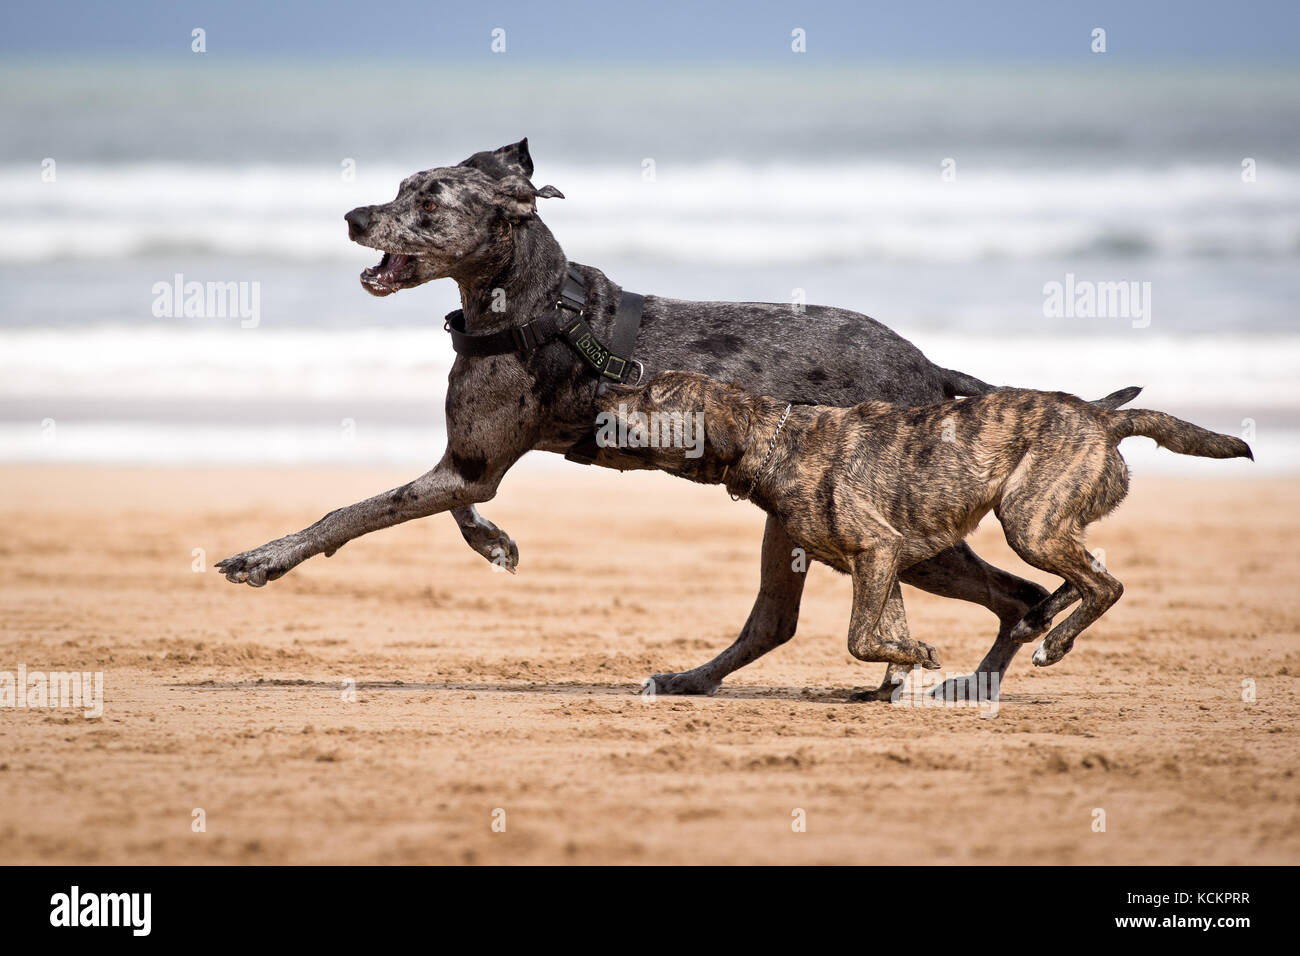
x=358 y=221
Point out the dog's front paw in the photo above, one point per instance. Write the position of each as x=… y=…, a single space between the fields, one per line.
x=927 y=655
x=256 y=567
x=685 y=683
x=493 y=543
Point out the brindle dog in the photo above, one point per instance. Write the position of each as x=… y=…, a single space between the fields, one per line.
x=873 y=489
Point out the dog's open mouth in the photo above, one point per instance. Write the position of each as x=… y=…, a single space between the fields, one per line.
x=389 y=274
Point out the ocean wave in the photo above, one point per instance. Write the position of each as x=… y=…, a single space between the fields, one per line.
x=726 y=213
x=1277 y=451
x=159 y=365
x=237 y=365
x=160 y=395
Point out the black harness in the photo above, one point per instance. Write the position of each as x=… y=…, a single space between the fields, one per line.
x=566 y=320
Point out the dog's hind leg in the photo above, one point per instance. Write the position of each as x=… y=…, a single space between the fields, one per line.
x=1056 y=546
x=771 y=623
x=486 y=538
x=891 y=629
x=1045 y=522
x=1108 y=492
x=960 y=573
x=1099 y=592
x=875 y=585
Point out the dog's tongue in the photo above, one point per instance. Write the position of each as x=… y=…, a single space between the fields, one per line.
x=388 y=266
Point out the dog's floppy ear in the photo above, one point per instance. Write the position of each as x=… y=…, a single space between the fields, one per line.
x=616 y=393
x=726 y=420
x=516 y=197
x=612 y=411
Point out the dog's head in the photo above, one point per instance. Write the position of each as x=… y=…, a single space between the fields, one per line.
x=643 y=420
x=448 y=221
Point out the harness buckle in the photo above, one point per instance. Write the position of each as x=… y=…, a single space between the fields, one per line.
x=525 y=337
x=620 y=375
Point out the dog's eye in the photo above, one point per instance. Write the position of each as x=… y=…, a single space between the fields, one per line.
x=429 y=206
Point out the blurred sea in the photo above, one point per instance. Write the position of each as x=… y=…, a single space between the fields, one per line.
x=826 y=180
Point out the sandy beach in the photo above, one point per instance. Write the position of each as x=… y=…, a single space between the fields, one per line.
x=483 y=698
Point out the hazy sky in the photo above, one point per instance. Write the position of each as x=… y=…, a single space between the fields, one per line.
x=1267 y=31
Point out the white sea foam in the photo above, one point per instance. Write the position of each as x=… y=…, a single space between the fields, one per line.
x=1277 y=451
x=158 y=394
x=411 y=364
x=723 y=212
x=236 y=365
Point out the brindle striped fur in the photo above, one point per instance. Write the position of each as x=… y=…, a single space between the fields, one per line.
x=873 y=489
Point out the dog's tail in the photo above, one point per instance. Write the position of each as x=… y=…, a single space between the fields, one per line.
x=1173 y=433
x=959 y=384
x=1115 y=399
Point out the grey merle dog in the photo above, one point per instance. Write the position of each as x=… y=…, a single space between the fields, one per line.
x=477 y=223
